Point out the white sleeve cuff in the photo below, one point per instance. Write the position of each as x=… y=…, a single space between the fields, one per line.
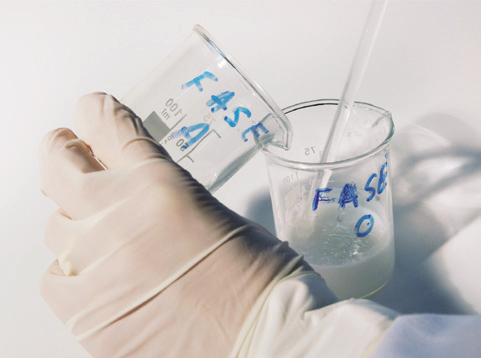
x=299 y=317
x=432 y=336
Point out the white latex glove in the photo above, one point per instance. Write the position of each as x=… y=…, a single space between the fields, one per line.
x=149 y=263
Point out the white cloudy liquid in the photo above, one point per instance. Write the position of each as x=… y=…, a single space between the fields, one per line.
x=352 y=266
x=362 y=276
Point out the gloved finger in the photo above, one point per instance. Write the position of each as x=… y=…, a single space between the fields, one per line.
x=59 y=237
x=55 y=288
x=64 y=161
x=115 y=134
x=78 y=244
x=67 y=240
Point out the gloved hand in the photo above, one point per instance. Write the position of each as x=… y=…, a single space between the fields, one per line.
x=149 y=263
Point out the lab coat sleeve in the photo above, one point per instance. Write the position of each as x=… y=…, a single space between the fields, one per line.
x=432 y=336
x=293 y=320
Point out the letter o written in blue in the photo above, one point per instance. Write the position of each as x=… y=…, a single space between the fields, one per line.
x=369 y=225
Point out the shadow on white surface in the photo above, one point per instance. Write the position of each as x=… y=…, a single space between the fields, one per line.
x=260 y=210
x=436 y=174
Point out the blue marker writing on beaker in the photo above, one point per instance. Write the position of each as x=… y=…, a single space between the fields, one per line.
x=196 y=81
x=220 y=101
x=369 y=188
x=178 y=133
x=369 y=225
x=381 y=185
x=349 y=194
x=200 y=128
x=318 y=197
x=217 y=102
x=255 y=130
x=237 y=112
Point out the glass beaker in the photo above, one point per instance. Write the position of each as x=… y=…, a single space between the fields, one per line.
x=344 y=224
x=206 y=112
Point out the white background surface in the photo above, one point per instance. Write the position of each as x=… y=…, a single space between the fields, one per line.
x=425 y=68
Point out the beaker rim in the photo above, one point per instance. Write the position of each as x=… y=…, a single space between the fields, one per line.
x=335 y=164
x=255 y=87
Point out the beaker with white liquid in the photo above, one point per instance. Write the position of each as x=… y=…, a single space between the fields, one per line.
x=344 y=224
